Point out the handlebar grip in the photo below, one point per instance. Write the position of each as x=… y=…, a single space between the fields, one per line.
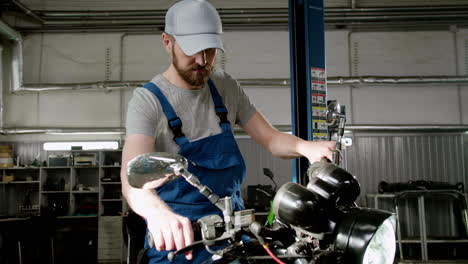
x=197 y=235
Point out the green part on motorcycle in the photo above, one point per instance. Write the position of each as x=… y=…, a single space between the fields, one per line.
x=271 y=215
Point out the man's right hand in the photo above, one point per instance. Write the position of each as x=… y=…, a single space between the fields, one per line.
x=170 y=231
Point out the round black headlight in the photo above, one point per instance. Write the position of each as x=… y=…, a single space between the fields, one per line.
x=367 y=236
x=333 y=183
x=296 y=205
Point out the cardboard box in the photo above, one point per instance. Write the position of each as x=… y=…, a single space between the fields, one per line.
x=8 y=178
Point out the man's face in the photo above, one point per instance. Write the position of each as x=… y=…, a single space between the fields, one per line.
x=195 y=69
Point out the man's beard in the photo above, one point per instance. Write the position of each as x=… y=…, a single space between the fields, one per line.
x=195 y=75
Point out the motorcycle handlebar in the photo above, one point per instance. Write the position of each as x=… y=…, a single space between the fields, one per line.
x=198 y=241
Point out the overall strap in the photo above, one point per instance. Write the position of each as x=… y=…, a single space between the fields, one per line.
x=221 y=110
x=175 y=124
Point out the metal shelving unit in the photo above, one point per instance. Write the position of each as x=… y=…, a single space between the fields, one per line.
x=97 y=187
x=424 y=240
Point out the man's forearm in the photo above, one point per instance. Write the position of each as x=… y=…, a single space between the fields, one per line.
x=286 y=146
x=144 y=202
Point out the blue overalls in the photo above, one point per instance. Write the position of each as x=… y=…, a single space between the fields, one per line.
x=216 y=160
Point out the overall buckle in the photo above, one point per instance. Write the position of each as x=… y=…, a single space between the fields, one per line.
x=222 y=117
x=175 y=125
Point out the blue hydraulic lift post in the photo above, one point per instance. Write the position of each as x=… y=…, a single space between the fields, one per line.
x=308 y=75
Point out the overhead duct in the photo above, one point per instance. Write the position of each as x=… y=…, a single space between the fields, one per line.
x=63 y=131
x=397 y=80
x=1 y=86
x=17 y=57
x=16 y=64
x=237 y=130
x=281 y=83
x=357 y=80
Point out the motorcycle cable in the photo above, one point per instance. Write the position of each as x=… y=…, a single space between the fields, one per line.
x=256 y=229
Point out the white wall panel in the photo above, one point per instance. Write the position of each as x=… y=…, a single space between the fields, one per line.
x=464 y=103
x=69 y=58
x=266 y=54
x=462 y=50
x=144 y=56
x=406 y=105
x=78 y=109
x=274 y=103
x=20 y=110
x=257 y=54
x=337 y=53
x=403 y=53
x=32 y=58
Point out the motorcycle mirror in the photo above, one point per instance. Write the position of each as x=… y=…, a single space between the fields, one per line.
x=153 y=169
x=268 y=173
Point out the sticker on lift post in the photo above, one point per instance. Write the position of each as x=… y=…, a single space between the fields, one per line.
x=318 y=99
x=318 y=74
x=319 y=113
x=318 y=86
x=320 y=126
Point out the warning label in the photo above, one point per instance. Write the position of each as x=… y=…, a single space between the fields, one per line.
x=318 y=74
x=318 y=99
x=318 y=86
x=319 y=113
x=318 y=78
x=320 y=126
x=320 y=136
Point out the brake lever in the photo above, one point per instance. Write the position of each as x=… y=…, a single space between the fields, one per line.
x=171 y=256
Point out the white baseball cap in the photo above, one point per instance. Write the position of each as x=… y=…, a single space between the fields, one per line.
x=196 y=26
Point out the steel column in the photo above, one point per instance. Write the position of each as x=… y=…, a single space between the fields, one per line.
x=308 y=76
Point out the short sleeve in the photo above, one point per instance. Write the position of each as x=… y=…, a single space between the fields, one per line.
x=245 y=108
x=142 y=113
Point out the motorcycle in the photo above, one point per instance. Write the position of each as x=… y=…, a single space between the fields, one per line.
x=319 y=223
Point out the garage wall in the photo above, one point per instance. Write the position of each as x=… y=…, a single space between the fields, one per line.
x=70 y=58
x=73 y=58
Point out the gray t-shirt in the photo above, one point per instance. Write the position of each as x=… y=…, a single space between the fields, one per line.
x=195 y=108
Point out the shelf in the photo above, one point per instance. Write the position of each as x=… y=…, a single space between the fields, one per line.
x=85 y=192
x=435 y=241
x=22 y=168
x=65 y=193
x=410 y=241
x=422 y=247
x=76 y=216
x=20 y=182
x=14 y=219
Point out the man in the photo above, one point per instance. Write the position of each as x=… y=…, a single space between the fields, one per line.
x=190 y=110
